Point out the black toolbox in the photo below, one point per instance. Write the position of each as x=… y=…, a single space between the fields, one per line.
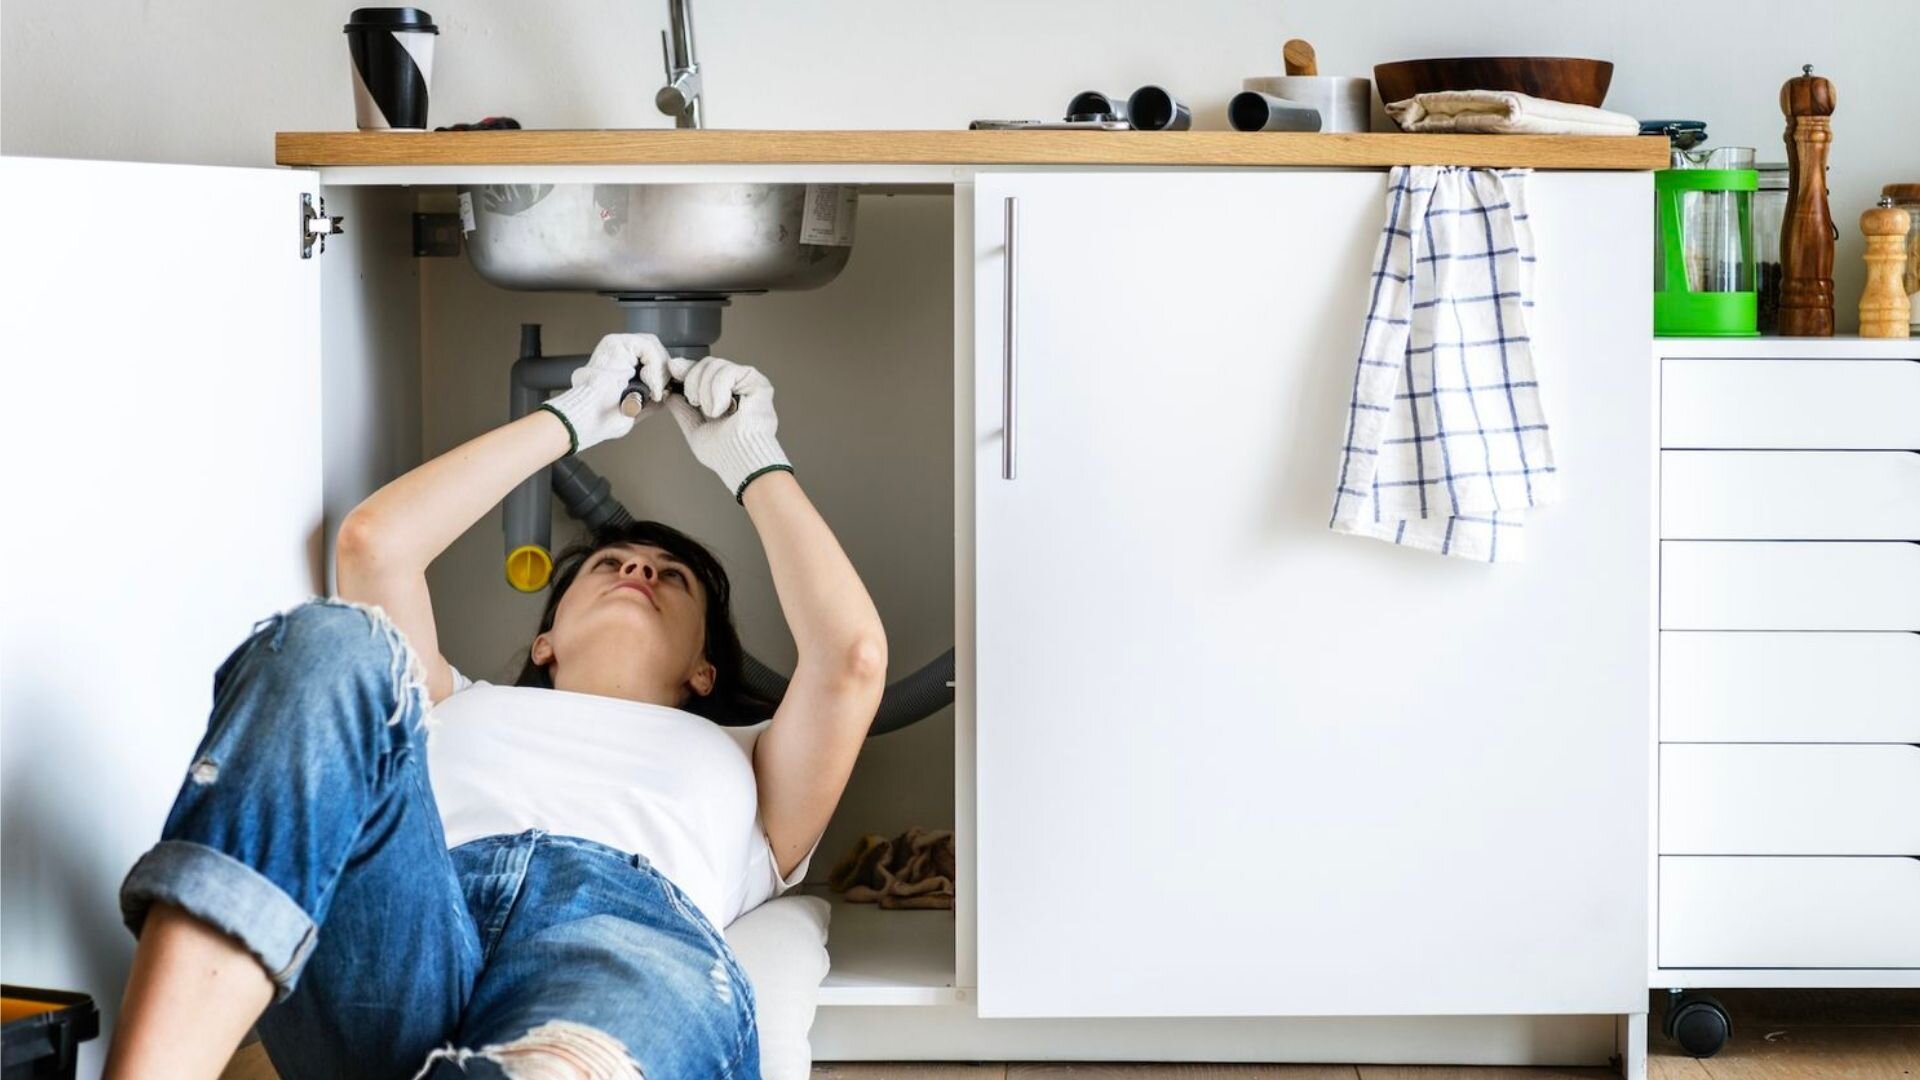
x=41 y=1032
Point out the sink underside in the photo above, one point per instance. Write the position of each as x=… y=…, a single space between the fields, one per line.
x=649 y=238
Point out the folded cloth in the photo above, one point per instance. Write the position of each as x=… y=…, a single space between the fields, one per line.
x=1446 y=439
x=912 y=870
x=1503 y=112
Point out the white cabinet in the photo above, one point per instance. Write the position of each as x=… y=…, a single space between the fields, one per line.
x=178 y=374
x=1789 y=761
x=1221 y=767
x=162 y=447
x=1228 y=762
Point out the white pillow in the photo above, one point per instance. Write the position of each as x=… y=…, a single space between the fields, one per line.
x=782 y=945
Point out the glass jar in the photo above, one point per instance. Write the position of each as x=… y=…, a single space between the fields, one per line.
x=1703 y=272
x=1907 y=197
x=1769 y=215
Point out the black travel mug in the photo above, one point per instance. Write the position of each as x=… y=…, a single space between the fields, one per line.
x=392 y=52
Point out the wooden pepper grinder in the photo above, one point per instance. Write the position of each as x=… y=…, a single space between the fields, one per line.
x=1884 y=306
x=1807 y=233
x=1297 y=55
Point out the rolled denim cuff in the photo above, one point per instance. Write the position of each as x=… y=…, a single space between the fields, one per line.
x=228 y=895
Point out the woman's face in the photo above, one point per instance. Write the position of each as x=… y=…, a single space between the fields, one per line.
x=632 y=604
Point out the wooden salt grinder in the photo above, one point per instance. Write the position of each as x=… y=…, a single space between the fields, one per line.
x=1884 y=306
x=1807 y=233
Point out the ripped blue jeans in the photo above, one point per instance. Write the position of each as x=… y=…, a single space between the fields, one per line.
x=306 y=829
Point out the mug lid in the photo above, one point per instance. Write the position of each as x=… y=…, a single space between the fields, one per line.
x=392 y=18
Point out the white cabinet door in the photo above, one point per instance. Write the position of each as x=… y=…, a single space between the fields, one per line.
x=1231 y=763
x=162 y=456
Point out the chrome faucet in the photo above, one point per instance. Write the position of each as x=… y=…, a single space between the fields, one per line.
x=680 y=98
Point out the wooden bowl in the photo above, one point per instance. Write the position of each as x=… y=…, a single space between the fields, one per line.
x=1556 y=78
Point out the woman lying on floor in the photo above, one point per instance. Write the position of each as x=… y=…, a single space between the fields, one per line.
x=550 y=903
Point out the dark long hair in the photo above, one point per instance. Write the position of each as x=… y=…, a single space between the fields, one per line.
x=730 y=703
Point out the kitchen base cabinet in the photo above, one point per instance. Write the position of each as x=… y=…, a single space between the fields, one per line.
x=1789 y=738
x=1229 y=786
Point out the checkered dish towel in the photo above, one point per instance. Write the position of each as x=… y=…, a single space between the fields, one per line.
x=1446 y=441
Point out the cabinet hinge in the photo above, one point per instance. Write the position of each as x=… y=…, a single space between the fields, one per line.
x=315 y=225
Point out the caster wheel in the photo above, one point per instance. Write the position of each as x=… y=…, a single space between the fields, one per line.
x=1699 y=1024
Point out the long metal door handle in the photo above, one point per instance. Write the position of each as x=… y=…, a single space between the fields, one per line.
x=1010 y=350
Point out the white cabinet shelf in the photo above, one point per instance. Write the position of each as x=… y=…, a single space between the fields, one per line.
x=881 y=957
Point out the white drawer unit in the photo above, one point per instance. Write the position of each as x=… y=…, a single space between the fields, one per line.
x=1797 y=403
x=1789 y=687
x=1743 y=585
x=1786 y=814
x=1789 y=913
x=1792 y=799
x=1790 y=494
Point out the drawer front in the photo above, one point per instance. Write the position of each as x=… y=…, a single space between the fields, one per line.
x=1759 y=799
x=1730 y=585
x=1790 y=404
x=1789 y=495
x=1789 y=913
x=1789 y=687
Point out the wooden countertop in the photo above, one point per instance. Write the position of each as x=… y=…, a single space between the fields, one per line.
x=716 y=147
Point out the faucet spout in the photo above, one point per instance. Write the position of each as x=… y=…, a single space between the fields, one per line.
x=680 y=98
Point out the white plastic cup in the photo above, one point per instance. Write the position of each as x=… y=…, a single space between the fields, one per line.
x=1343 y=103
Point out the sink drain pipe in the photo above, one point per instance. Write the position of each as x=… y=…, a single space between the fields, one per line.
x=687 y=326
x=588 y=497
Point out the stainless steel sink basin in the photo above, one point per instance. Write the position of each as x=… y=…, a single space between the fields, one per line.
x=647 y=238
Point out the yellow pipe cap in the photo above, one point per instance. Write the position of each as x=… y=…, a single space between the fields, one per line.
x=528 y=567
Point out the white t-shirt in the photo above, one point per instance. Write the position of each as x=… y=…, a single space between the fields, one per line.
x=647 y=779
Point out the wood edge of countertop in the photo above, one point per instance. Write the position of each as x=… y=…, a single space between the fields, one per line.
x=963 y=148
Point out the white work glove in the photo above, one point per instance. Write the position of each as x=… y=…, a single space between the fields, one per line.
x=591 y=409
x=738 y=446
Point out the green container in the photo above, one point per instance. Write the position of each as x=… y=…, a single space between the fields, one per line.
x=1703 y=267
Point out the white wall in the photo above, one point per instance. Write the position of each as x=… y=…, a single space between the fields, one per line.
x=211 y=80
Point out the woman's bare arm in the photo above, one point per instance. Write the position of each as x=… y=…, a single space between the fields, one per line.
x=804 y=757
x=387 y=542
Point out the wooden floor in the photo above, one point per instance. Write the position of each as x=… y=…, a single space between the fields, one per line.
x=1777 y=1035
